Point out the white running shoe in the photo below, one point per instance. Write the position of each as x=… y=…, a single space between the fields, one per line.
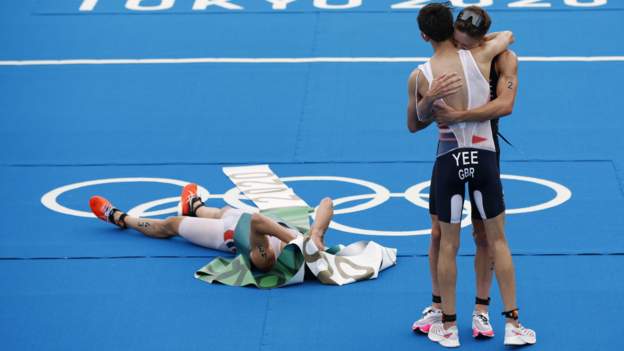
x=445 y=337
x=430 y=315
x=481 y=325
x=519 y=335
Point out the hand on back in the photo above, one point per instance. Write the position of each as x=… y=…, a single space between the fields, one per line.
x=444 y=85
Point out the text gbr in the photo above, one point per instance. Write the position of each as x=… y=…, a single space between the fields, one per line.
x=468 y=159
x=200 y=5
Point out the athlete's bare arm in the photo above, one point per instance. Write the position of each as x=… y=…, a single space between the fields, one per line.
x=491 y=36
x=413 y=123
x=484 y=54
x=442 y=86
x=506 y=91
x=261 y=253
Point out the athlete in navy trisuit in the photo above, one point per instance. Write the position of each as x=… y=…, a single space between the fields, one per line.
x=466 y=154
x=471 y=27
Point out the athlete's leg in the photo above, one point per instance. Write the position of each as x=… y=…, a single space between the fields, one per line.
x=434 y=243
x=433 y=313
x=486 y=188
x=503 y=264
x=205 y=232
x=210 y=212
x=154 y=228
x=434 y=249
x=515 y=334
x=449 y=192
x=483 y=264
x=447 y=268
x=487 y=174
x=324 y=214
x=192 y=205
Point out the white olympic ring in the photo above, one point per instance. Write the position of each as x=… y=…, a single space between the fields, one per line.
x=49 y=200
x=379 y=196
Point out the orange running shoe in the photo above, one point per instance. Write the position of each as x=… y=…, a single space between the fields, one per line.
x=187 y=199
x=105 y=211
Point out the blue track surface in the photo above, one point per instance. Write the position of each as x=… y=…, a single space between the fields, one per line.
x=156 y=304
x=70 y=282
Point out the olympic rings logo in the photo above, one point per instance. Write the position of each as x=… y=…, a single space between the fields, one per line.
x=379 y=195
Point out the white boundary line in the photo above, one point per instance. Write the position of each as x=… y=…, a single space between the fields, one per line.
x=286 y=60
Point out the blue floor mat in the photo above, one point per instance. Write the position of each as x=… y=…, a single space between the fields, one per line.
x=156 y=304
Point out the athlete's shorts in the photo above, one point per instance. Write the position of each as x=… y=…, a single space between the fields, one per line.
x=213 y=233
x=218 y=233
x=478 y=168
x=474 y=214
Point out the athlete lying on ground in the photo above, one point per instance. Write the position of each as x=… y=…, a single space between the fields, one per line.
x=214 y=227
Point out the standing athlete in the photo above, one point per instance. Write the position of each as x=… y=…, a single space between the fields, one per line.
x=466 y=154
x=471 y=25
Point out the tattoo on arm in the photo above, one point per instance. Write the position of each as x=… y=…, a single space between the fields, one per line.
x=144 y=224
x=510 y=84
x=262 y=252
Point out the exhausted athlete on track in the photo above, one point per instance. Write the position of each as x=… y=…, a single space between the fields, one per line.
x=214 y=227
x=471 y=27
x=466 y=154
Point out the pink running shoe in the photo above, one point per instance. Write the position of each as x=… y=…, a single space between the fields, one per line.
x=481 y=325
x=445 y=337
x=430 y=316
x=518 y=336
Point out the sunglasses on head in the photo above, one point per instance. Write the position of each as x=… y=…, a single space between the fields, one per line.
x=471 y=17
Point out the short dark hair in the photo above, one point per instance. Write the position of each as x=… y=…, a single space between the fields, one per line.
x=473 y=21
x=436 y=21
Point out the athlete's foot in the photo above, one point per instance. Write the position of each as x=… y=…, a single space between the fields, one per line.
x=430 y=316
x=445 y=337
x=189 y=200
x=481 y=325
x=519 y=335
x=104 y=210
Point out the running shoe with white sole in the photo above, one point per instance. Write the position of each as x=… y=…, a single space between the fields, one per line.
x=481 y=325
x=445 y=337
x=520 y=335
x=430 y=315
